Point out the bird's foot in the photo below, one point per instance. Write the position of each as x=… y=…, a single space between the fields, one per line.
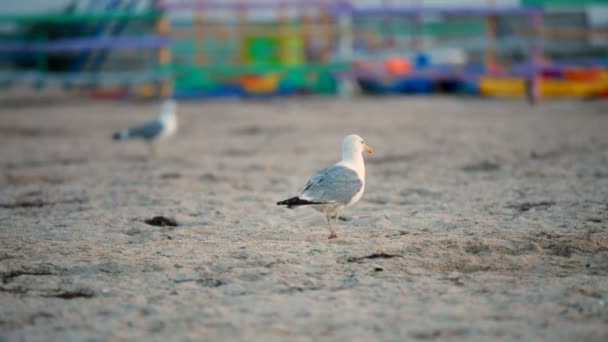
x=333 y=236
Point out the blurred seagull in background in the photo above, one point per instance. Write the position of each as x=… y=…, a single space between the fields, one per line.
x=335 y=188
x=155 y=130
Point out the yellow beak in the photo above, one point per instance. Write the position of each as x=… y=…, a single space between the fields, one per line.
x=367 y=149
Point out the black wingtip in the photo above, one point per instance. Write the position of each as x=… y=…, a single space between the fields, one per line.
x=116 y=136
x=295 y=201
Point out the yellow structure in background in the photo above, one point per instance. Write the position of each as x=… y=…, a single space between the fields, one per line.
x=572 y=85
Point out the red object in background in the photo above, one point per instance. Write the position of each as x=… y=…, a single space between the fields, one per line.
x=603 y=93
x=583 y=75
x=250 y=78
x=267 y=83
x=397 y=66
x=494 y=67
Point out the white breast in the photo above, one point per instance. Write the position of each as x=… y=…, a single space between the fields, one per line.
x=170 y=127
x=359 y=168
x=357 y=197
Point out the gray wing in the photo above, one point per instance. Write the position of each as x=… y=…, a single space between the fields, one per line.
x=148 y=130
x=334 y=184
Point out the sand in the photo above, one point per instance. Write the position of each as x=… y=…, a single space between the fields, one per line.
x=482 y=219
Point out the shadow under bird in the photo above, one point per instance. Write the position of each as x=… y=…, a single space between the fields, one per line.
x=337 y=187
x=156 y=130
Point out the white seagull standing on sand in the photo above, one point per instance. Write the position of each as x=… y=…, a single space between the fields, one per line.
x=155 y=130
x=337 y=187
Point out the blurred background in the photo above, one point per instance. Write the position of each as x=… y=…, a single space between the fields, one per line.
x=483 y=216
x=205 y=49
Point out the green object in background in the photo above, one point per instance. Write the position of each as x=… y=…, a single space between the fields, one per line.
x=292 y=51
x=287 y=50
x=319 y=81
x=473 y=26
x=259 y=49
x=325 y=83
x=317 y=77
x=192 y=78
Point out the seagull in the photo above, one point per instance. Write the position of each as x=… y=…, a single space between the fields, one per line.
x=155 y=130
x=337 y=187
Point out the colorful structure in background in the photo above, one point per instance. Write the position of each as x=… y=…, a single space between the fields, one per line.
x=564 y=61
x=106 y=47
x=489 y=50
x=211 y=48
x=285 y=47
x=252 y=48
x=448 y=53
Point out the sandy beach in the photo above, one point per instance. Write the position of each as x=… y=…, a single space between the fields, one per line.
x=482 y=219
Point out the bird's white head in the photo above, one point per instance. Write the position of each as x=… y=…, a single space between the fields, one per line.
x=353 y=147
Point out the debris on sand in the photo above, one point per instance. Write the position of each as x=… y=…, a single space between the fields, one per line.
x=171 y=175
x=378 y=255
x=483 y=166
x=529 y=205
x=161 y=221
x=36 y=270
x=72 y=294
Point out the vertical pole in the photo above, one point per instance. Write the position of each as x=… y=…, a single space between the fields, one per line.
x=163 y=28
x=490 y=55
x=536 y=47
x=199 y=37
x=387 y=39
x=305 y=31
x=283 y=32
x=242 y=9
x=345 y=29
x=218 y=34
x=326 y=35
x=535 y=57
x=345 y=47
x=417 y=31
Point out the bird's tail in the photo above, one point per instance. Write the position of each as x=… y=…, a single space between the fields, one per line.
x=296 y=201
x=122 y=135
